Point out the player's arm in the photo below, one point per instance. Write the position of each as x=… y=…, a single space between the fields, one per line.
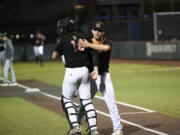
x=58 y=50
x=98 y=47
x=54 y=55
x=94 y=73
x=9 y=43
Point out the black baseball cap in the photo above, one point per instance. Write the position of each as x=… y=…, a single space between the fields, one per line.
x=98 y=26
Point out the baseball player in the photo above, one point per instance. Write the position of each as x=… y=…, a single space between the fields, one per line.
x=58 y=39
x=77 y=75
x=38 y=48
x=8 y=65
x=103 y=83
x=2 y=52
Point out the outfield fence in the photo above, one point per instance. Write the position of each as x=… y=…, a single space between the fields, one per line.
x=121 y=50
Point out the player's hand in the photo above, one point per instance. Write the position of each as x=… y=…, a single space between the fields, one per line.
x=54 y=55
x=94 y=74
x=83 y=43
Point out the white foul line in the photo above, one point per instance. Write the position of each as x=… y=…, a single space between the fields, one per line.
x=133 y=113
x=102 y=113
x=121 y=103
x=105 y=114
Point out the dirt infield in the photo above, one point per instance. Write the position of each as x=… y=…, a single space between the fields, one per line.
x=136 y=121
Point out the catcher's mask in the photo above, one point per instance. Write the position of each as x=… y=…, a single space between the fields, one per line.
x=65 y=26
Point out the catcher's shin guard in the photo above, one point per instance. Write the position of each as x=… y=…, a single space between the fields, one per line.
x=70 y=111
x=90 y=113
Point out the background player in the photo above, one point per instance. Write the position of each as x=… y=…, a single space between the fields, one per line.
x=78 y=65
x=8 y=65
x=2 y=52
x=39 y=47
x=103 y=82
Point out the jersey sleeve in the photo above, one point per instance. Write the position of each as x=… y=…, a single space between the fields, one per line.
x=10 y=45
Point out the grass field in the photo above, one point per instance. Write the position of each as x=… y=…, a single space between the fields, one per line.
x=150 y=86
x=19 y=117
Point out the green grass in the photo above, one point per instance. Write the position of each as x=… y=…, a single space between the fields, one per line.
x=148 y=86
x=19 y=117
x=142 y=85
x=51 y=72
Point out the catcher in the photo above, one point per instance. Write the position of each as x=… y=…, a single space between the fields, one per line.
x=79 y=67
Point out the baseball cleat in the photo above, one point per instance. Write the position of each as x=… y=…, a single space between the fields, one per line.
x=117 y=132
x=75 y=131
x=93 y=132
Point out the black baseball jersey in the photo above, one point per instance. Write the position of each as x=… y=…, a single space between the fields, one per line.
x=38 y=41
x=73 y=57
x=104 y=58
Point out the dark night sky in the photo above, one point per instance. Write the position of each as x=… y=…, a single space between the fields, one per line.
x=28 y=16
x=35 y=12
x=32 y=12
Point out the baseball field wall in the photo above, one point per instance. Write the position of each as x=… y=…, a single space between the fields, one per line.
x=146 y=50
x=121 y=50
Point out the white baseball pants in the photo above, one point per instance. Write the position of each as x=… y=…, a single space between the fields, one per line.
x=74 y=78
x=8 y=66
x=38 y=50
x=104 y=84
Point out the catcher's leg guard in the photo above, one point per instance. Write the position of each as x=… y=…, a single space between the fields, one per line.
x=70 y=111
x=90 y=113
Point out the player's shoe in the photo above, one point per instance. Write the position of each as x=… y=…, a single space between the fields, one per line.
x=117 y=132
x=93 y=132
x=13 y=84
x=4 y=84
x=75 y=131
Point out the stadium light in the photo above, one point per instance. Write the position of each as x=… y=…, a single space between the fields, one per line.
x=17 y=36
x=31 y=36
